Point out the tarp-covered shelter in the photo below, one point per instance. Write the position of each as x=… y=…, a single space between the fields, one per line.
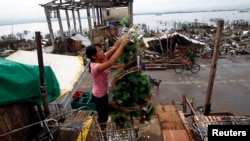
x=67 y=69
x=21 y=82
x=20 y=90
x=169 y=42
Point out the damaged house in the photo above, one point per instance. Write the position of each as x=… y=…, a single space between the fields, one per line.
x=168 y=43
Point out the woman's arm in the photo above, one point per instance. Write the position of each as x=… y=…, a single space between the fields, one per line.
x=117 y=53
x=111 y=51
x=128 y=65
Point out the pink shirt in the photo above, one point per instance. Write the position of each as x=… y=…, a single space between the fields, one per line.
x=100 y=79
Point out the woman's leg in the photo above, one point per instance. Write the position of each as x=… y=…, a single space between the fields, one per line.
x=101 y=108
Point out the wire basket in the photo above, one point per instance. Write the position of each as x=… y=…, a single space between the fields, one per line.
x=132 y=132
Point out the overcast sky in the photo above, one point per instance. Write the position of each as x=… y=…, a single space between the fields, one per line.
x=13 y=11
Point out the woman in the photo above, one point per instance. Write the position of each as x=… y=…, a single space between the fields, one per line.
x=99 y=69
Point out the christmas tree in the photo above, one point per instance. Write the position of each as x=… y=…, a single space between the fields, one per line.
x=132 y=97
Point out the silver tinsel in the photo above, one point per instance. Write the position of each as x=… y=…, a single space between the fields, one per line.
x=135 y=32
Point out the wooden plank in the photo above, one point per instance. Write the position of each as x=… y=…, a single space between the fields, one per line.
x=175 y=135
x=188 y=129
x=247 y=50
x=171 y=123
x=169 y=117
x=18 y=122
x=16 y=116
x=67 y=135
x=156 y=68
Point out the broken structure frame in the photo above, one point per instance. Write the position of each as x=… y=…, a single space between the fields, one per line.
x=56 y=6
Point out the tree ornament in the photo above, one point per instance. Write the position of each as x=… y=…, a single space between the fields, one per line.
x=145 y=109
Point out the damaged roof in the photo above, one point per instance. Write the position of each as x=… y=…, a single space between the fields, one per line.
x=82 y=4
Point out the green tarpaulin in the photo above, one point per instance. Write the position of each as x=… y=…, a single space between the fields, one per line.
x=20 y=82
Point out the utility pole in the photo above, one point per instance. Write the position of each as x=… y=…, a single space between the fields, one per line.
x=220 y=24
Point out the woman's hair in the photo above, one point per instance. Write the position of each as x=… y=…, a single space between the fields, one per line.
x=91 y=51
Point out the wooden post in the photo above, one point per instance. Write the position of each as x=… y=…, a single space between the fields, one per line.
x=98 y=16
x=60 y=23
x=68 y=22
x=74 y=20
x=47 y=13
x=220 y=24
x=101 y=16
x=79 y=20
x=184 y=103
x=94 y=16
x=89 y=23
x=41 y=73
x=130 y=12
x=160 y=45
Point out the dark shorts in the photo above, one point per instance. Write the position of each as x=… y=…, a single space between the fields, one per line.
x=102 y=108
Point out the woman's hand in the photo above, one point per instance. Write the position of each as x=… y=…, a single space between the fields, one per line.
x=119 y=67
x=124 y=41
x=117 y=42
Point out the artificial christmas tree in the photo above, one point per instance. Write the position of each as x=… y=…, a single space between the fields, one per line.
x=132 y=97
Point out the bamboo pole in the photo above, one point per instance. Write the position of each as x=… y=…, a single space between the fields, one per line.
x=41 y=73
x=220 y=24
